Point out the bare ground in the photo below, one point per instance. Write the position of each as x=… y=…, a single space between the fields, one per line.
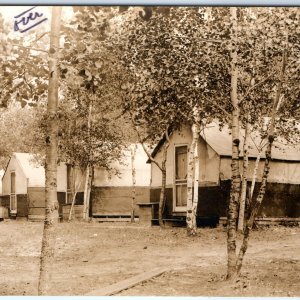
x=92 y=256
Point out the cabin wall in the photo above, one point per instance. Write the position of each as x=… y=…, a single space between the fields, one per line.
x=212 y=200
x=21 y=180
x=62 y=177
x=117 y=200
x=22 y=205
x=5 y=201
x=280 y=171
x=37 y=201
x=112 y=194
x=124 y=178
x=209 y=160
x=281 y=200
x=77 y=179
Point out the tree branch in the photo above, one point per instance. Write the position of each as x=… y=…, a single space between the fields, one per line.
x=29 y=48
x=143 y=145
x=37 y=39
x=255 y=86
x=219 y=107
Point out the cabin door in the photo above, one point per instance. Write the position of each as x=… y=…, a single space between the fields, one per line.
x=180 y=184
x=13 y=196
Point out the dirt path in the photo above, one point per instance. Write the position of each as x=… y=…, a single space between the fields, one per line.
x=93 y=256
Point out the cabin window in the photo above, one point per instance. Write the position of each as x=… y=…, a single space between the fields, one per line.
x=180 y=190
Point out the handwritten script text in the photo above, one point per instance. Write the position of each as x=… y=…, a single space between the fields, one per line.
x=27 y=20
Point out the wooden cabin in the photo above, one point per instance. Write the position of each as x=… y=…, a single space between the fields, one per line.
x=23 y=191
x=112 y=194
x=23 y=186
x=282 y=197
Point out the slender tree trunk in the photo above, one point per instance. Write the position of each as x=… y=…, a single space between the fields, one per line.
x=244 y=178
x=87 y=187
x=254 y=210
x=190 y=177
x=162 y=197
x=193 y=179
x=76 y=187
x=72 y=206
x=87 y=192
x=51 y=218
x=257 y=203
x=235 y=180
x=196 y=182
x=133 y=173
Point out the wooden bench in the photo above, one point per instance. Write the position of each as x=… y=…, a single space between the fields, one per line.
x=147 y=212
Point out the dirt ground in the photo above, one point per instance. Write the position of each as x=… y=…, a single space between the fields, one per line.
x=94 y=255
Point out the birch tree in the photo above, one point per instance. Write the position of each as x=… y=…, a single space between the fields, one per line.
x=235 y=179
x=273 y=81
x=51 y=217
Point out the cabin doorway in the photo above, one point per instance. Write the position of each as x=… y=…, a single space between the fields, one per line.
x=180 y=182
x=13 y=196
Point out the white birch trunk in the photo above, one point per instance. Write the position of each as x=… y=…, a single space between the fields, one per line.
x=235 y=179
x=257 y=203
x=244 y=179
x=193 y=175
x=190 y=177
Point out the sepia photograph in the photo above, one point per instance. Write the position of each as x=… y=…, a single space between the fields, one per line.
x=150 y=151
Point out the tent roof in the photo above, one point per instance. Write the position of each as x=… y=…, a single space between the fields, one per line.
x=32 y=170
x=221 y=142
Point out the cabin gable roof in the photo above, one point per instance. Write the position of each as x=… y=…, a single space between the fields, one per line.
x=220 y=140
x=34 y=172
